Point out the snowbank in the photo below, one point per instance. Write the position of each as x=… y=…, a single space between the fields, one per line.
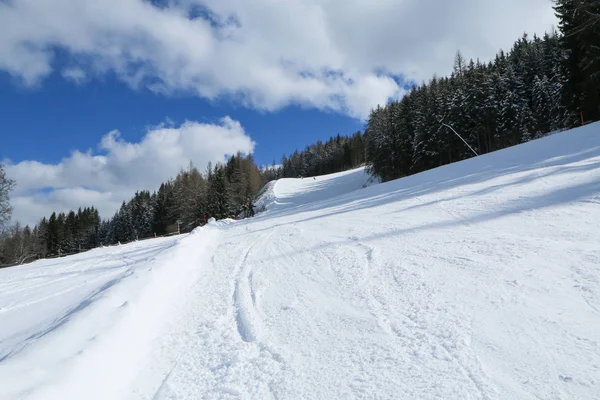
x=81 y=326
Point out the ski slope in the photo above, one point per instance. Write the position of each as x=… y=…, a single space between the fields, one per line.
x=477 y=280
x=290 y=194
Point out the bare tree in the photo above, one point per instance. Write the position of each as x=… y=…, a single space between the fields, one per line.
x=6 y=185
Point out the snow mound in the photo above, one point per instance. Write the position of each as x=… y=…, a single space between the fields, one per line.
x=265 y=197
x=222 y=222
x=292 y=193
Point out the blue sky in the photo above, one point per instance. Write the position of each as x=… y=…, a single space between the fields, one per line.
x=46 y=123
x=100 y=98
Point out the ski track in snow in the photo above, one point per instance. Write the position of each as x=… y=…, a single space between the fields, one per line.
x=478 y=280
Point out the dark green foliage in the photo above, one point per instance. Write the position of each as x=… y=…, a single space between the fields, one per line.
x=338 y=154
x=515 y=98
x=219 y=205
x=163 y=204
x=580 y=40
x=224 y=191
x=58 y=235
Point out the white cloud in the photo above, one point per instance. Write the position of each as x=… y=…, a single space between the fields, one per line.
x=265 y=54
x=74 y=74
x=105 y=178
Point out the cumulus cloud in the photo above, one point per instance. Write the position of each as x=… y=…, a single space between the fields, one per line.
x=327 y=54
x=118 y=168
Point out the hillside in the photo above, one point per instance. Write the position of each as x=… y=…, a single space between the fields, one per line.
x=477 y=280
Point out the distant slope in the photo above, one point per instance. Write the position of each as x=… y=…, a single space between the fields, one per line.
x=476 y=280
x=291 y=193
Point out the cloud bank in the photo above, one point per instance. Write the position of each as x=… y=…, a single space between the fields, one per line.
x=118 y=168
x=340 y=55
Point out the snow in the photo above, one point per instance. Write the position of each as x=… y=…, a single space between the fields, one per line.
x=477 y=280
x=289 y=194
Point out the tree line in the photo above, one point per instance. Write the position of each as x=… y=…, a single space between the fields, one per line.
x=514 y=98
x=337 y=154
x=226 y=190
x=541 y=85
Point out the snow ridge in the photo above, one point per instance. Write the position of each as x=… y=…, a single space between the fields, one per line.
x=244 y=299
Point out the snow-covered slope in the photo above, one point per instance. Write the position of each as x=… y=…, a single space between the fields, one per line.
x=478 y=280
x=79 y=326
x=288 y=194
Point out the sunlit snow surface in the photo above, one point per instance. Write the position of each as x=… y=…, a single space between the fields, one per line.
x=478 y=280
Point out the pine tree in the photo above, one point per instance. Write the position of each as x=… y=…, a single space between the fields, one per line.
x=580 y=28
x=514 y=98
x=218 y=205
x=164 y=208
x=42 y=238
x=123 y=225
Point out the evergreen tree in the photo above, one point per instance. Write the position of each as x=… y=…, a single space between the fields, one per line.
x=219 y=205
x=579 y=23
x=53 y=233
x=163 y=203
x=514 y=98
x=69 y=245
x=41 y=234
